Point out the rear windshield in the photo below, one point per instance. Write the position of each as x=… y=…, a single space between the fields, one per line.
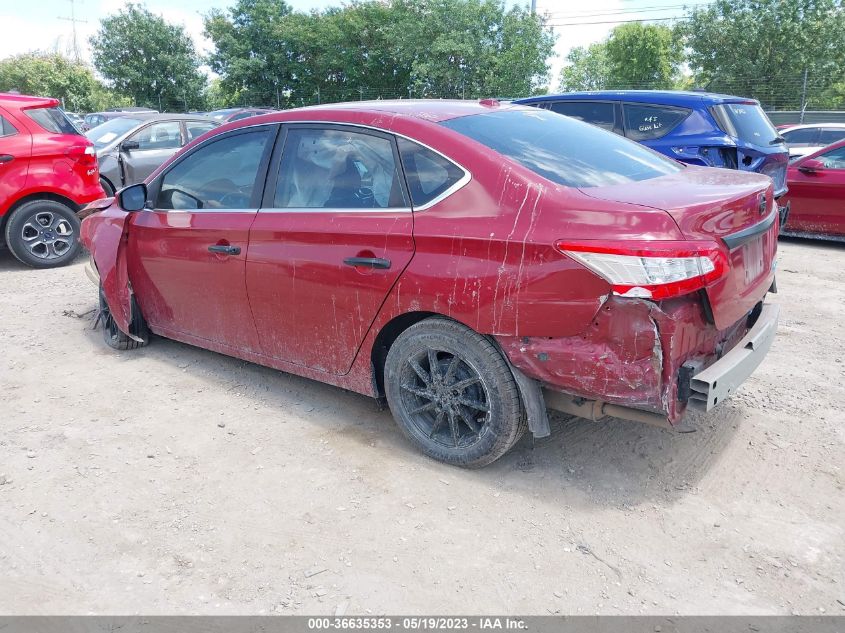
x=104 y=134
x=746 y=121
x=564 y=150
x=53 y=120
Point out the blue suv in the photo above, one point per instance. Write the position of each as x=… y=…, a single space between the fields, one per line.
x=693 y=127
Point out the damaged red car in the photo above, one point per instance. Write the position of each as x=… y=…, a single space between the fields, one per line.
x=471 y=264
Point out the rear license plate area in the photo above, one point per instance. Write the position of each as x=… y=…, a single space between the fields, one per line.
x=753 y=259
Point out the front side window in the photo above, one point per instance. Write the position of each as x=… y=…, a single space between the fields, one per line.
x=599 y=113
x=830 y=135
x=6 y=128
x=429 y=174
x=563 y=150
x=219 y=175
x=53 y=120
x=338 y=169
x=198 y=128
x=649 y=122
x=165 y=135
x=834 y=159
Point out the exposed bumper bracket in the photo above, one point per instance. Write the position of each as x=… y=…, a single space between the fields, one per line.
x=709 y=387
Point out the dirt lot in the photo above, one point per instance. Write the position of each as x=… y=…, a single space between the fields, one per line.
x=175 y=480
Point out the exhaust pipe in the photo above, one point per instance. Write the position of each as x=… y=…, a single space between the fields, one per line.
x=595 y=410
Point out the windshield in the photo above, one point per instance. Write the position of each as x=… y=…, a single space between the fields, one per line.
x=564 y=150
x=746 y=121
x=104 y=134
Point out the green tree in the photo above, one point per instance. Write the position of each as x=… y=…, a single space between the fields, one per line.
x=643 y=56
x=53 y=75
x=588 y=69
x=761 y=49
x=369 y=49
x=149 y=60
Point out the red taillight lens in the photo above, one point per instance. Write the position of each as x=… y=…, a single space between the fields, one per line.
x=651 y=269
x=84 y=154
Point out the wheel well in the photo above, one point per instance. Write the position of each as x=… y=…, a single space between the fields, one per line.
x=110 y=183
x=386 y=337
x=43 y=195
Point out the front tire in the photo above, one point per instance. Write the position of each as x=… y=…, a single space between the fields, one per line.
x=43 y=234
x=453 y=394
x=112 y=334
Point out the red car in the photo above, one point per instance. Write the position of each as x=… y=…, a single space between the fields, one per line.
x=468 y=263
x=48 y=171
x=817 y=194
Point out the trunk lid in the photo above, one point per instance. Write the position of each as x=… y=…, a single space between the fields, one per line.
x=734 y=209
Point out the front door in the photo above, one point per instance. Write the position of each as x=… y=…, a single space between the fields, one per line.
x=818 y=197
x=186 y=256
x=332 y=238
x=155 y=144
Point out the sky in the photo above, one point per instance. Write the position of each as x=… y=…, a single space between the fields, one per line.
x=46 y=25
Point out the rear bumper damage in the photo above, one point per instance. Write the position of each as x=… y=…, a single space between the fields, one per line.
x=645 y=361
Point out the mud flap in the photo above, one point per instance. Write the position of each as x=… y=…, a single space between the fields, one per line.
x=104 y=235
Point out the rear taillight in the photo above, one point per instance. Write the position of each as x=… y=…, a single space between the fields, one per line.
x=651 y=269
x=85 y=154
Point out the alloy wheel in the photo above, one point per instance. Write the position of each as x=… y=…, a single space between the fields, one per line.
x=47 y=235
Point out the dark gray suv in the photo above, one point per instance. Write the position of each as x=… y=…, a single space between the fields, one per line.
x=131 y=147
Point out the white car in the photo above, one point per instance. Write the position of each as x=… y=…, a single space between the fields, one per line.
x=806 y=139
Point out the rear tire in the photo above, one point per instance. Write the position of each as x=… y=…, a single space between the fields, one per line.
x=467 y=411
x=43 y=234
x=107 y=188
x=112 y=334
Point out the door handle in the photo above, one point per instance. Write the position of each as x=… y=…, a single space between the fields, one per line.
x=370 y=262
x=6 y=158
x=225 y=249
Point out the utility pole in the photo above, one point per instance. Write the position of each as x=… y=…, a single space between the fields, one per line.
x=533 y=7
x=73 y=21
x=803 y=97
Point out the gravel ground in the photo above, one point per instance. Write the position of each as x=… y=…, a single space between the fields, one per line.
x=175 y=480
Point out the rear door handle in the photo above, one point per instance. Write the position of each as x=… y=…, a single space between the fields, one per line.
x=6 y=158
x=225 y=249
x=370 y=262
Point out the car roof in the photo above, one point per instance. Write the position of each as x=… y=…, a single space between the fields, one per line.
x=663 y=97
x=434 y=110
x=27 y=101
x=805 y=126
x=155 y=116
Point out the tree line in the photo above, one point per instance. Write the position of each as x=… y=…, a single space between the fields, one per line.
x=787 y=53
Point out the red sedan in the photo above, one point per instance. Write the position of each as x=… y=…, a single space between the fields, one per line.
x=471 y=264
x=817 y=194
x=48 y=171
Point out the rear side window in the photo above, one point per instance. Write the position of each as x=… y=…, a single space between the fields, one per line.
x=53 y=120
x=831 y=135
x=747 y=122
x=806 y=136
x=600 y=113
x=429 y=174
x=6 y=128
x=219 y=175
x=563 y=150
x=648 y=122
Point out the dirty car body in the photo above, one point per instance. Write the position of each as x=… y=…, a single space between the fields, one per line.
x=472 y=263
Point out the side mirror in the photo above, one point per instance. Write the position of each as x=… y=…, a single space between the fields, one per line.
x=132 y=198
x=811 y=166
x=128 y=146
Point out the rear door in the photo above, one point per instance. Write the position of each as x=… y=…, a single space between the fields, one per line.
x=333 y=236
x=186 y=256
x=156 y=143
x=818 y=197
x=15 y=153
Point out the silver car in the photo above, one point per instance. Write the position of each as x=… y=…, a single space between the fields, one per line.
x=131 y=147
